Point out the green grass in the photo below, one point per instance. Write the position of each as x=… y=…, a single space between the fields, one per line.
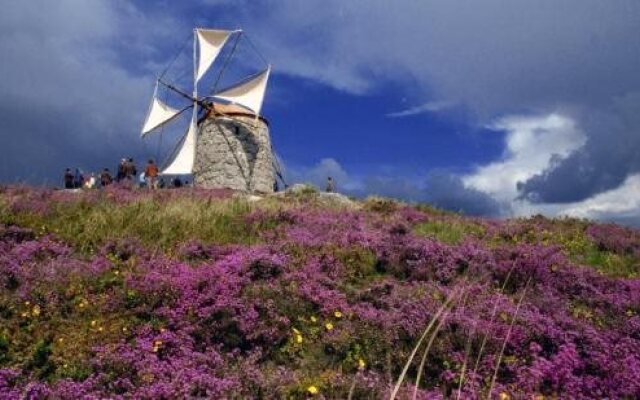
x=447 y=231
x=159 y=225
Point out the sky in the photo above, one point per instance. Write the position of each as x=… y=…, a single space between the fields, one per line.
x=486 y=107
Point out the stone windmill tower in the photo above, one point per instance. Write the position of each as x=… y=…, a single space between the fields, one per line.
x=234 y=151
x=227 y=143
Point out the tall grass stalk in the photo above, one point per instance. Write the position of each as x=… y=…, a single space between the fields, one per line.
x=467 y=352
x=424 y=356
x=353 y=385
x=493 y=316
x=417 y=346
x=506 y=339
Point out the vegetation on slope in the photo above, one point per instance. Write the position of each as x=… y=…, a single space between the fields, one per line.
x=192 y=293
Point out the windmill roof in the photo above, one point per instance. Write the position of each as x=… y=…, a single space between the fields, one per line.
x=232 y=110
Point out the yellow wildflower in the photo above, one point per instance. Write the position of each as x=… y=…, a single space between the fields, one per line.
x=295 y=331
x=116 y=272
x=25 y=314
x=60 y=340
x=26 y=303
x=630 y=313
x=503 y=396
x=338 y=314
x=298 y=338
x=312 y=389
x=162 y=330
x=124 y=329
x=156 y=345
x=94 y=323
x=361 y=364
x=313 y=319
x=329 y=326
x=36 y=310
x=100 y=329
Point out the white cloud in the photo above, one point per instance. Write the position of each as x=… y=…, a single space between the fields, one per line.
x=531 y=145
x=620 y=203
x=432 y=106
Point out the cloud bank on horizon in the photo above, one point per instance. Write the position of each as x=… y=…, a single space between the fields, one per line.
x=558 y=81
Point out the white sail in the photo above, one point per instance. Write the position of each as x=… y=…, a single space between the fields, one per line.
x=248 y=94
x=184 y=158
x=159 y=114
x=211 y=42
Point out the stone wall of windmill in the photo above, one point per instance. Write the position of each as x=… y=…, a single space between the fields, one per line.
x=234 y=152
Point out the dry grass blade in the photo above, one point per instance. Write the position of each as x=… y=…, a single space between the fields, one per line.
x=506 y=339
x=467 y=351
x=417 y=346
x=353 y=386
x=493 y=316
x=424 y=356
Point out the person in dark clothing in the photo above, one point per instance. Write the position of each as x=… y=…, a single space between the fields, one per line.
x=78 y=179
x=121 y=173
x=331 y=186
x=132 y=171
x=105 y=177
x=177 y=183
x=68 y=179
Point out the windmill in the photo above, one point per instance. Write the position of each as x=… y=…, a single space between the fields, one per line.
x=227 y=142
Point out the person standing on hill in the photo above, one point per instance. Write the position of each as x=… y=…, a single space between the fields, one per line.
x=130 y=169
x=68 y=179
x=331 y=186
x=151 y=174
x=78 y=179
x=105 y=177
x=121 y=173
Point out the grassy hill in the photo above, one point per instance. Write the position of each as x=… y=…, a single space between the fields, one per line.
x=200 y=294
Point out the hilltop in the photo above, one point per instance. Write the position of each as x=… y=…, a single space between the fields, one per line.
x=205 y=294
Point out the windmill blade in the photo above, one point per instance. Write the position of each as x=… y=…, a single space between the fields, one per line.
x=210 y=41
x=159 y=114
x=184 y=155
x=248 y=93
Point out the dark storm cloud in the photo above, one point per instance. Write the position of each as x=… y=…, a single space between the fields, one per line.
x=611 y=154
x=66 y=98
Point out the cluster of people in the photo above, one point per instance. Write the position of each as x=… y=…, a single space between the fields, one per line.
x=126 y=172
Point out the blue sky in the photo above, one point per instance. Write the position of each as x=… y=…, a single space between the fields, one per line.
x=492 y=108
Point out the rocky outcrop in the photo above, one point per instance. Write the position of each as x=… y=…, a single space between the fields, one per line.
x=234 y=153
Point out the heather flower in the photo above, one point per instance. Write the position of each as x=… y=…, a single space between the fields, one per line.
x=203 y=319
